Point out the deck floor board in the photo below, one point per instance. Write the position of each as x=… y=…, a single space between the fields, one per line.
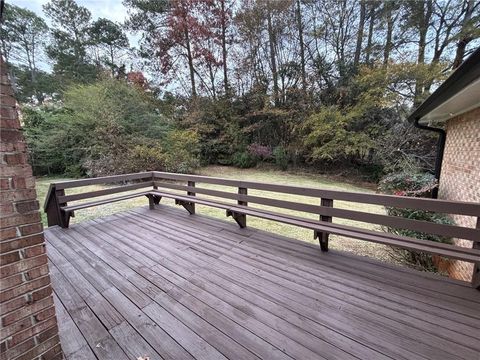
x=165 y=284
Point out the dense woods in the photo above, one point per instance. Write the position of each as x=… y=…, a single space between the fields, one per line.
x=319 y=83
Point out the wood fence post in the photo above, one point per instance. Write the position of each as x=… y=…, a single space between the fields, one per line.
x=241 y=219
x=476 y=266
x=55 y=215
x=321 y=235
x=191 y=205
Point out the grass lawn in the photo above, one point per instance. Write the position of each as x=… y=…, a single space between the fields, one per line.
x=273 y=176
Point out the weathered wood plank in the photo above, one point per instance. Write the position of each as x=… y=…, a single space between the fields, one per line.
x=192 y=287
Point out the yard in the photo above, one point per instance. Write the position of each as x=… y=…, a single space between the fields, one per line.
x=305 y=180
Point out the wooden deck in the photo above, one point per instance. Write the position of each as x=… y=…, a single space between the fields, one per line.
x=167 y=285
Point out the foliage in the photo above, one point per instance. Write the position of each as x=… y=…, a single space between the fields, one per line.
x=418 y=185
x=260 y=152
x=330 y=136
x=244 y=160
x=331 y=83
x=281 y=158
x=106 y=128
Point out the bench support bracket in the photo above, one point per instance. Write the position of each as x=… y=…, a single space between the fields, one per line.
x=241 y=219
x=189 y=206
x=153 y=200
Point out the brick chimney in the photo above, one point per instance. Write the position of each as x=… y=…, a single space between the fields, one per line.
x=27 y=312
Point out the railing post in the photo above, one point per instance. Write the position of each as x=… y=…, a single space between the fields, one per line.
x=241 y=219
x=191 y=206
x=321 y=235
x=476 y=266
x=55 y=215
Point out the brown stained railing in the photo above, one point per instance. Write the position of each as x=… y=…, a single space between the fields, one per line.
x=155 y=185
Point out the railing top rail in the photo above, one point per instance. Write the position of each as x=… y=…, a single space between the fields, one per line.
x=435 y=205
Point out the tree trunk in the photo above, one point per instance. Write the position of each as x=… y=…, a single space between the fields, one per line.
x=423 y=25
x=273 y=60
x=371 y=24
x=466 y=38
x=302 y=46
x=361 y=25
x=388 y=42
x=190 y=63
x=224 y=48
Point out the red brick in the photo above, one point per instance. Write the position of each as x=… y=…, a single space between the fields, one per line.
x=26 y=311
x=12 y=305
x=7 y=100
x=6 y=234
x=20 y=349
x=47 y=334
x=6 y=209
x=37 y=351
x=54 y=353
x=15 y=159
x=37 y=272
x=7 y=112
x=11 y=136
x=9 y=123
x=5 y=184
x=17 y=195
x=31 y=229
x=31 y=332
x=6 y=259
x=10 y=245
x=15 y=327
x=45 y=314
x=22 y=219
x=25 y=207
x=20 y=170
x=24 y=288
x=41 y=294
x=23 y=265
x=34 y=251
x=11 y=281
x=18 y=182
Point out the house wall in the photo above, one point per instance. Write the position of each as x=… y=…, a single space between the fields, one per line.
x=27 y=313
x=460 y=177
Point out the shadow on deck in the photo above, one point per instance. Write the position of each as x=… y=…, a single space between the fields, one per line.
x=164 y=284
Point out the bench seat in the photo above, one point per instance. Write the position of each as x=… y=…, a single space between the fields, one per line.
x=238 y=212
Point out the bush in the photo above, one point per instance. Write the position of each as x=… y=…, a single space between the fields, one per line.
x=417 y=185
x=260 y=152
x=281 y=158
x=107 y=128
x=243 y=160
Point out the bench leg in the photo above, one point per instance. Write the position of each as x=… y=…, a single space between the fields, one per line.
x=322 y=239
x=156 y=199
x=189 y=206
x=151 y=203
x=241 y=219
x=65 y=222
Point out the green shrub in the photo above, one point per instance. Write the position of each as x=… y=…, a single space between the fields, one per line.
x=107 y=128
x=416 y=185
x=281 y=158
x=244 y=160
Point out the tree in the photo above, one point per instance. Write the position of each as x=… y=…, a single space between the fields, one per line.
x=469 y=30
x=111 y=41
x=71 y=39
x=23 y=40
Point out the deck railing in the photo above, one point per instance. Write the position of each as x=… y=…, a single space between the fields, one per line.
x=155 y=185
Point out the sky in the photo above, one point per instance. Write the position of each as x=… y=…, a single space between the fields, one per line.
x=110 y=9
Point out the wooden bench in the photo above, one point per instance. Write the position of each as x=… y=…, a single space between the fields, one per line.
x=158 y=184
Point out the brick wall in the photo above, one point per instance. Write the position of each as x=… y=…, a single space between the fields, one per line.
x=27 y=314
x=460 y=178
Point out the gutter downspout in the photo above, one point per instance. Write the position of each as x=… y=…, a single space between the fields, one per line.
x=442 y=136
